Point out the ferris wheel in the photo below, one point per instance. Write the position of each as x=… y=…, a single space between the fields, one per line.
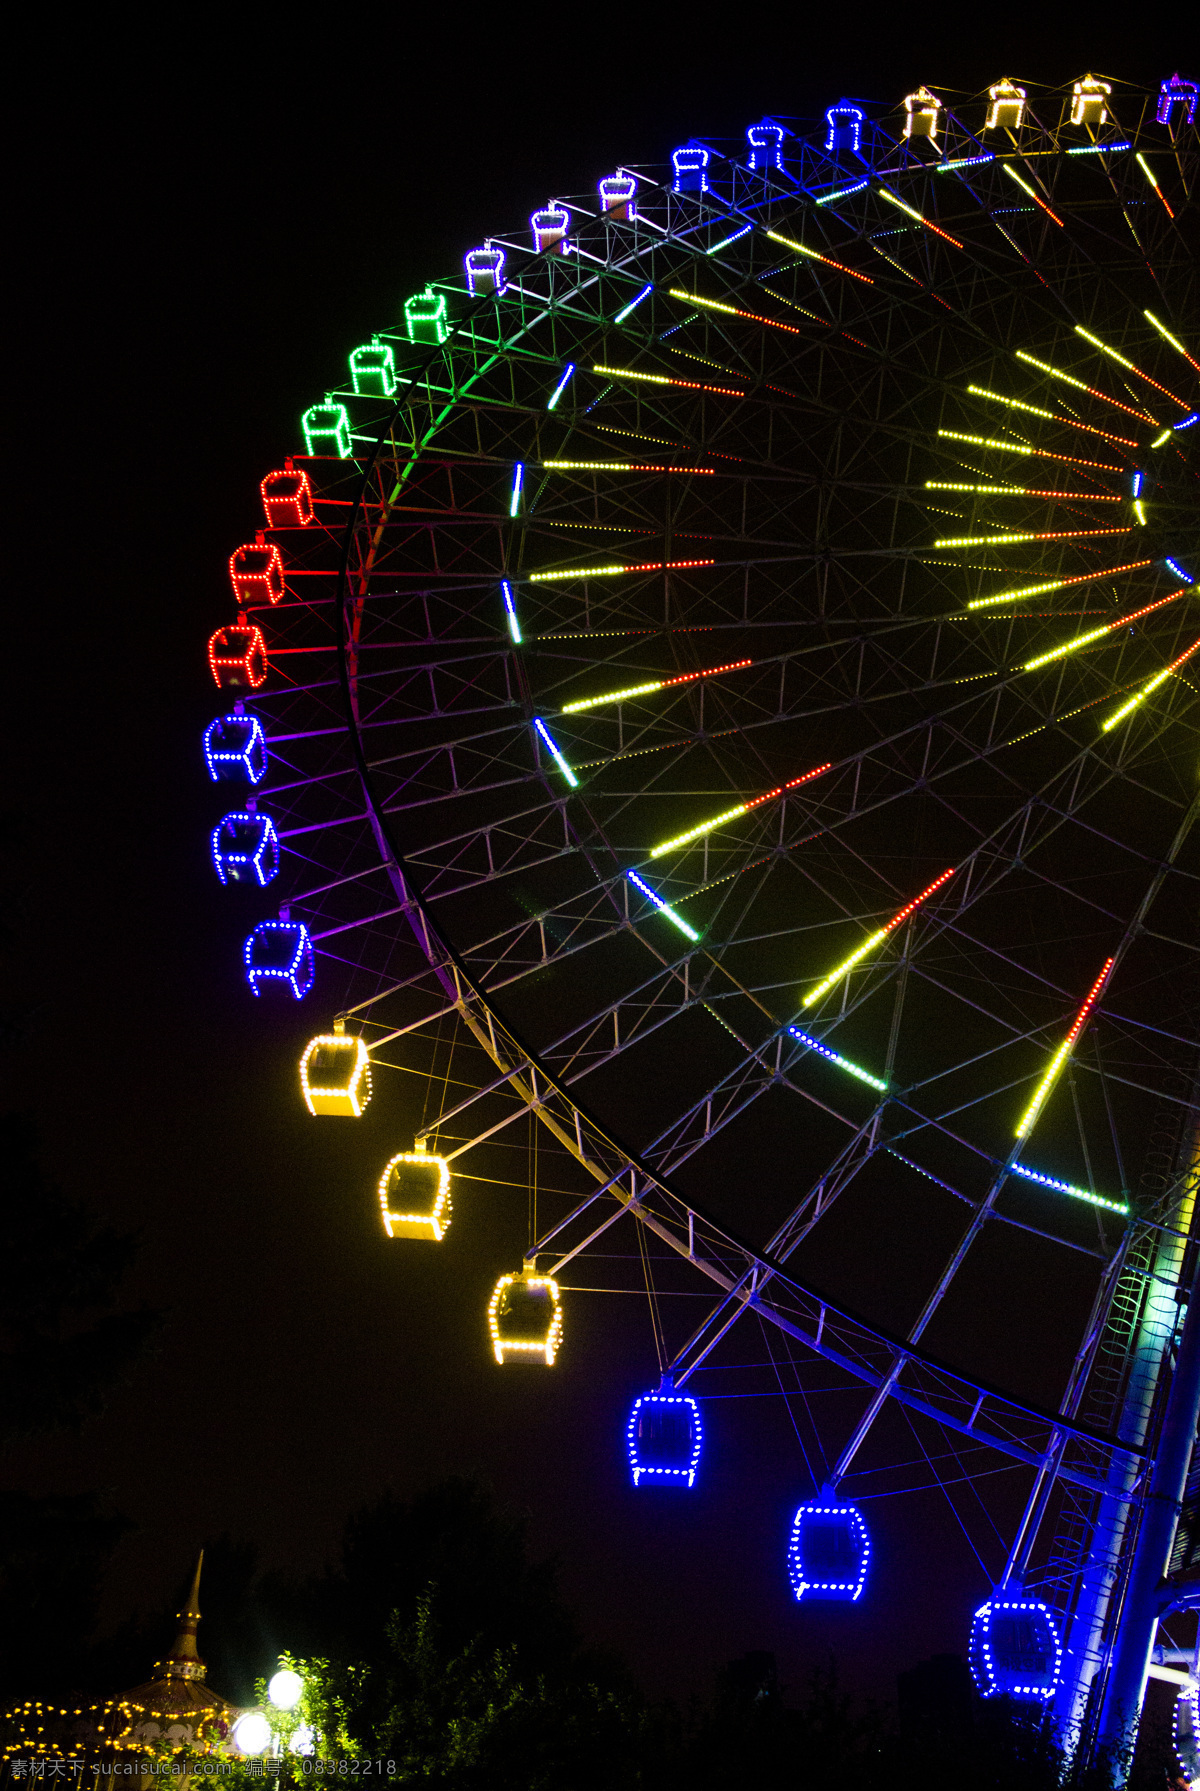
x=716 y=700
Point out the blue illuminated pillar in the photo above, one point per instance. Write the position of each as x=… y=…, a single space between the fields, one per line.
x=1126 y=1684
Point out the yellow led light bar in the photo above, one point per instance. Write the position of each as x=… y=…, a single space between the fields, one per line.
x=618 y=466
x=1148 y=689
x=1091 y=497
x=1095 y=634
x=731 y=814
x=1166 y=335
x=1049 y=416
x=985 y=441
x=1070 y=380
x=635 y=690
x=1129 y=365
x=419 y=1185
x=800 y=249
x=661 y=379
x=565 y=572
x=847 y=964
x=1042 y=1091
x=1013 y=540
x=694 y=298
x=1057 y=584
x=335 y=1074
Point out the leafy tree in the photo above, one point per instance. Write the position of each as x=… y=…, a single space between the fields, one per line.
x=62 y=1347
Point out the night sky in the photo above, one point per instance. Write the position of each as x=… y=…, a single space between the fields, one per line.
x=210 y=218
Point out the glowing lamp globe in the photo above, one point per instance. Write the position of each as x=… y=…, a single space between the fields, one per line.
x=829 y=1551
x=304 y=1740
x=285 y=1689
x=252 y=1733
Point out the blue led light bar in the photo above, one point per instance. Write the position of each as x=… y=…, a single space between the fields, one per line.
x=1051 y=1181
x=1179 y=572
x=723 y=244
x=662 y=906
x=964 y=161
x=633 y=304
x=514 y=502
x=555 y=754
x=843 y=1063
x=841 y=192
x=1099 y=148
x=561 y=387
x=514 y=627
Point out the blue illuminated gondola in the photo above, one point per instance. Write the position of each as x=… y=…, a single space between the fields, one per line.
x=1015 y=1651
x=235 y=749
x=245 y=849
x=663 y=1437
x=829 y=1550
x=280 y=951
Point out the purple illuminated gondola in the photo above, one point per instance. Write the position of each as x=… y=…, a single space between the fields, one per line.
x=1015 y=1650
x=664 y=1437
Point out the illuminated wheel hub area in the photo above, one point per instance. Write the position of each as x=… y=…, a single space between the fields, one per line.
x=714 y=688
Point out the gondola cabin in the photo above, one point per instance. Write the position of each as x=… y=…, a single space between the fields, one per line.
x=1015 y=1651
x=525 y=1319
x=245 y=849
x=373 y=370
x=280 y=953
x=256 y=573
x=829 y=1551
x=237 y=657
x=663 y=1437
x=287 y=499
x=414 y=1196
x=335 y=1074
x=235 y=750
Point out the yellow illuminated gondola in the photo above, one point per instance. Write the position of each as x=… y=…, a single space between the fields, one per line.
x=525 y=1318
x=335 y=1073
x=414 y=1195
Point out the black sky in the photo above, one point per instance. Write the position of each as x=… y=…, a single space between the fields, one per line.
x=210 y=213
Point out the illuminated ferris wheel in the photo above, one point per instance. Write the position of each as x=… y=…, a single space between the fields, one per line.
x=716 y=699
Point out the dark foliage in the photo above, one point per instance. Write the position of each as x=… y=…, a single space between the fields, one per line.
x=62 y=1345
x=52 y=1555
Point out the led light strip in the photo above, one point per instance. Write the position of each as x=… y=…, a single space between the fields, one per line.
x=1166 y=335
x=514 y=502
x=632 y=690
x=514 y=627
x=1049 y=415
x=1042 y=1091
x=1128 y=365
x=1091 y=497
x=1099 y=148
x=1026 y=188
x=1012 y=540
x=565 y=572
x=937 y=231
x=1052 y=1181
x=556 y=755
x=1070 y=380
x=1057 y=584
x=987 y=441
x=561 y=387
x=1095 y=634
x=618 y=466
x=847 y=964
x=843 y=1063
x=843 y=192
x=731 y=814
x=813 y=256
x=964 y=161
x=660 y=379
x=693 y=298
x=663 y=907
x=1148 y=689
x=633 y=304
x=725 y=242
x=1144 y=165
